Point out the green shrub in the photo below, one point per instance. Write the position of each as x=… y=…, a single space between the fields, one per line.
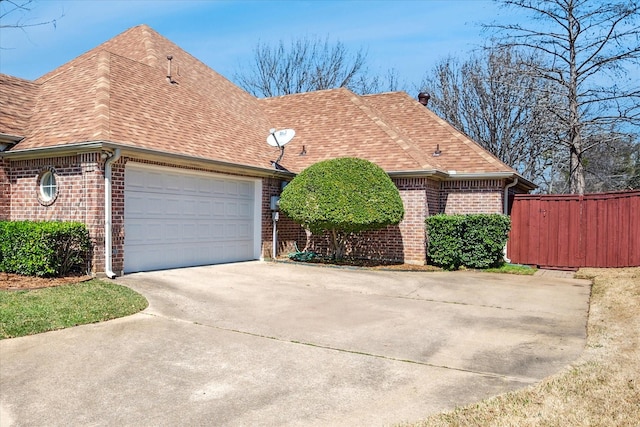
x=484 y=239
x=445 y=240
x=473 y=241
x=45 y=249
x=342 y=196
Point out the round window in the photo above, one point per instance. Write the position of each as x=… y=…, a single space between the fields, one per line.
x=48 y=187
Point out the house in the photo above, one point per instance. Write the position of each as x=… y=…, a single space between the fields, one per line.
x=167 y=164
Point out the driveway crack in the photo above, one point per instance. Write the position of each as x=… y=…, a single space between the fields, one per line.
x=527 y=380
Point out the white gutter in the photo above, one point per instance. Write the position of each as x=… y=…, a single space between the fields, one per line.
x=107 y=214
x=506 y=210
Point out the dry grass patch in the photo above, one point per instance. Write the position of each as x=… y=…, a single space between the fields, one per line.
x=602 y=388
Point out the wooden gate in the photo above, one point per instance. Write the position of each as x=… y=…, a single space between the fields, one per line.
x=568 y=231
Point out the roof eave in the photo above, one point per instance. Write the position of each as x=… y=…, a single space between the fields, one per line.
x=522 y=182
x=146 y=153
x=420 y=173
x=8 y=141
x=453 y=175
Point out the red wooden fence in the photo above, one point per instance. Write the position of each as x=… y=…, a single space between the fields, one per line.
x=568 y=231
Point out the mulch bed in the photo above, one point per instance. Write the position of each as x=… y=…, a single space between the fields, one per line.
x=17 y=282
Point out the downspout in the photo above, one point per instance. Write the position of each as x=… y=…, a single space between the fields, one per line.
x=506 y=209
x=107 y=213
x=506 y=195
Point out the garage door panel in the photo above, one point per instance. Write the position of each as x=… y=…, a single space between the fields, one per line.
x=245 y=190
x=173 y=206
x=135 y=205
x=244 y=231
x=245 y=210
x=189 y=207
x=205 y=208
x=218 y=209
x=189 y=185
x=171 y=232
x=176 y=219
x=231 y=188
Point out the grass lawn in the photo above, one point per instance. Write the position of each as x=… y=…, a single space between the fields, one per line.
x=30 y=312
x=513 y=269
x=602 y=388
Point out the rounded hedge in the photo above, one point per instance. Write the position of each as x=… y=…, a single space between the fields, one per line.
x=345 y=194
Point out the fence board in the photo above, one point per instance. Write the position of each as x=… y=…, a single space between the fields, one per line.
x=571 y=231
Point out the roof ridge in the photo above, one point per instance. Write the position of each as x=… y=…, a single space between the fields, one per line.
x=103 y=95
x=399 y=137
x=152 y=55
x=145 y=38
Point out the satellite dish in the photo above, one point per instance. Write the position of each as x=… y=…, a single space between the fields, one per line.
x=278 y=138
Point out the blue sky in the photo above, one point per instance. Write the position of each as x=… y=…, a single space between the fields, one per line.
x=409 y=36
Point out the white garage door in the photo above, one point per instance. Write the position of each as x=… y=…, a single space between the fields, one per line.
x=176 y=218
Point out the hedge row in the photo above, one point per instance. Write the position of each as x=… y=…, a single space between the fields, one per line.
x=44 y=249
x=473 y=241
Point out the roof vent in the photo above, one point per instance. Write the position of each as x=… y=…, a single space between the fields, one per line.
x=169 y=78
x=423 y=98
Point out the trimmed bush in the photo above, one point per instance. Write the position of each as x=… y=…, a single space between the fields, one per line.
x=445 y=240
x=342 y=196
x=473 y=241
x=44 y=249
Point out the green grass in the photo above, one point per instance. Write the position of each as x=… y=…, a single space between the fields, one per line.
x=524 y=270
x=31 y=312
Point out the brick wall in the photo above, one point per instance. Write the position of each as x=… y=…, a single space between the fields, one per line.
x=117 y=215
x=471 y=196
x=79 y=181
x=5 y=190
x=404 y=242
x=289 y=234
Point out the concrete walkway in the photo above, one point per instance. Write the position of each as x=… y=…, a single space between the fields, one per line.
x=280 y=344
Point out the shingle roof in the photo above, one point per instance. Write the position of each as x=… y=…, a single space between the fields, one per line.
x=119 y=92
x=391 y=129
x=17 y=99
x=427 y=131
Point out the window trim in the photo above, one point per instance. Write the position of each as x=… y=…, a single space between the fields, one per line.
x=48 y=187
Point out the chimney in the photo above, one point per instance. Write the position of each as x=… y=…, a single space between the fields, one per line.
x=423 y=98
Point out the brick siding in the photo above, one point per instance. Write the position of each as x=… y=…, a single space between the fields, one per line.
x=80 y=179
x=5 y=191
x=471 y=196
x=80 y=187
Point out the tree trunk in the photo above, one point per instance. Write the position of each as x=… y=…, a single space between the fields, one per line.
x=338 y=250
x=576 y=168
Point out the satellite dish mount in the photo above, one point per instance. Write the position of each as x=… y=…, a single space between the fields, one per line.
x=279 y=139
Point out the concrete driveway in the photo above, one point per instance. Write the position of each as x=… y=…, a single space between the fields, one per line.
x=280 y=344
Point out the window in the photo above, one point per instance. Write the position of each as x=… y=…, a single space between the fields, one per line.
x=48 y=187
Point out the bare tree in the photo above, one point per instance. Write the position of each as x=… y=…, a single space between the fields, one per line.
x=308 y=65
x=13 y=15
x=613 y=164
x=497 y=103
x=590 y=52
x=372 y=83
